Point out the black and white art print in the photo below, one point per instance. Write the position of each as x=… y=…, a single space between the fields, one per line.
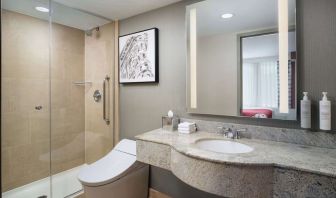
x=138 y=57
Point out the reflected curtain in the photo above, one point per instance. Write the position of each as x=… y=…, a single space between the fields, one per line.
x=250 y=84
x=260 y=84
x=268 y=84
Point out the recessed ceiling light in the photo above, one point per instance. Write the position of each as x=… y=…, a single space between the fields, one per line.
x=42 y=9
x=227 y=15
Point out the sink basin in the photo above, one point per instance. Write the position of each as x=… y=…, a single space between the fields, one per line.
x=223 y=146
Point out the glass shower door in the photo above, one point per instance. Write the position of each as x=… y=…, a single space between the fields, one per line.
x=82 y=51
x=25 y=99
x=67 y=102
x=54 y=58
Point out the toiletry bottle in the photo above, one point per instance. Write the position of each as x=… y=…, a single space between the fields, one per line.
x=325 y=113
x=305 y=112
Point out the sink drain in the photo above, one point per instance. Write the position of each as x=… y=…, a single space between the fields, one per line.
x=43 y=196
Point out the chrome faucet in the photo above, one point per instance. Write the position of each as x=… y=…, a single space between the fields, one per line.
x=230 y=132
x=227 y=132
x=238 y=131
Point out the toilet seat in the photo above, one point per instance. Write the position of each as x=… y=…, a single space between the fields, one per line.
x=119 y=162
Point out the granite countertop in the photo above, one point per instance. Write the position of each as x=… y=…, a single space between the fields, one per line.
x=293 y=156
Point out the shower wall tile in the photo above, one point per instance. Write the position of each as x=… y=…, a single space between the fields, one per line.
x=67 y=99
x=15 y=129
x=26 y=132
x=39 y=126
x=99 y=61
x=26 y=53
x=22 y=94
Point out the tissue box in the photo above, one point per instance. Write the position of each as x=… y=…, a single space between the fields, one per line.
x=170 y=124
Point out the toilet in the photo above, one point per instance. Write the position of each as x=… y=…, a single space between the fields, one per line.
x=118 y=174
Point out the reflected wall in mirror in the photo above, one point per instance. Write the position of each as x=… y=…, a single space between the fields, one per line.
x=241 y=58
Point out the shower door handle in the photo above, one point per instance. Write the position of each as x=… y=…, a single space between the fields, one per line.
x=106 y=100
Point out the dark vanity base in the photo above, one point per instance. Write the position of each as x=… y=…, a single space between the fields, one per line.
x=165 y=181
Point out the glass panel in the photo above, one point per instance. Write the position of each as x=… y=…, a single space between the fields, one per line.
x=82 y=55
x=25 y=114
x=51 y=124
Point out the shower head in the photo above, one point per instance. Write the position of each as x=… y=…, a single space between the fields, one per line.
x=90 y=31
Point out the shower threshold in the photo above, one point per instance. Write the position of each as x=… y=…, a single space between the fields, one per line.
x=64 y=185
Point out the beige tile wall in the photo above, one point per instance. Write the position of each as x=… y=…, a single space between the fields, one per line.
x=67 y=99
x=25 y=84
x=99 y=61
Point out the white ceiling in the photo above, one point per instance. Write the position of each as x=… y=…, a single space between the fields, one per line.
x=84 y=14
x=116 y=9
x=265 y=45
x=249 y=15
x=60 y=14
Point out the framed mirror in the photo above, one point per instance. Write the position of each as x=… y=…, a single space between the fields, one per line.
x=241 y=58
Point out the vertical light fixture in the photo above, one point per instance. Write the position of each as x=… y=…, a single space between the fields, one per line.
x=193 y=58
x=283 y=54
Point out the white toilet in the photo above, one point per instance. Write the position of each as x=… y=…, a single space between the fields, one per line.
x=118 y=174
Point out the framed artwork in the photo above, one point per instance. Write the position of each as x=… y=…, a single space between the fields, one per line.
x=138 y=57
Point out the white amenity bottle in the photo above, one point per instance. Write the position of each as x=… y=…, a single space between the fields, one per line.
x=305 y=111
x=325 y=113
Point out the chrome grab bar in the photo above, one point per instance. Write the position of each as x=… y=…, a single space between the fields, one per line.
x=106 y=118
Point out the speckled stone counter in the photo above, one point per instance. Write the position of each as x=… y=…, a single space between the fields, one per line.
x=272 y=169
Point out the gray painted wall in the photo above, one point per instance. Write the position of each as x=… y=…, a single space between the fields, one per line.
x=217 y=86
x=142 y=105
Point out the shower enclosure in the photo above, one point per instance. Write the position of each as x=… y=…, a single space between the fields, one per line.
x=57 y=96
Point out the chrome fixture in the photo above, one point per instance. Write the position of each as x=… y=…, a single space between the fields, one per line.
x=106 y=102
x=38 y=107
x=97 y=96
x=230 y=132
x=238 y=131
x=89 y=32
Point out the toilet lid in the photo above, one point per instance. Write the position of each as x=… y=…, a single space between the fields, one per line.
x=108 y=169
x=126 y=146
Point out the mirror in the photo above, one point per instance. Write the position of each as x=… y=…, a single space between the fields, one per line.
x=241 y=58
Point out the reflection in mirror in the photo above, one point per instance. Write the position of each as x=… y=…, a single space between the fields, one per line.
x=224 y=39
x=261 y=77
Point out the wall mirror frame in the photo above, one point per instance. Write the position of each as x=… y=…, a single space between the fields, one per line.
x=242 y=62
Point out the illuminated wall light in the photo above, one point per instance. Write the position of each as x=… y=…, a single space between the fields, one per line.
x=193 y=58
x=283 y=54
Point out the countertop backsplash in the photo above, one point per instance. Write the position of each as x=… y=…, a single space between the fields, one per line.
x=294 y=136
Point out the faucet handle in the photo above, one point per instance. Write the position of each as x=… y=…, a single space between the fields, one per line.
x=225 y=131
x=238 y=131
x=228 y=133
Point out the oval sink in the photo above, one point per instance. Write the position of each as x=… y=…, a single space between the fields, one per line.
x=223 y=146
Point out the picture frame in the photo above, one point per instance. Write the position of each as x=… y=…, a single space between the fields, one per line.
x=138 y=57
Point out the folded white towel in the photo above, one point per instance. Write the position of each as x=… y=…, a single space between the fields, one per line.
x=186 y=131
x=187 y=128
x=180 y=129
x=187 y=124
